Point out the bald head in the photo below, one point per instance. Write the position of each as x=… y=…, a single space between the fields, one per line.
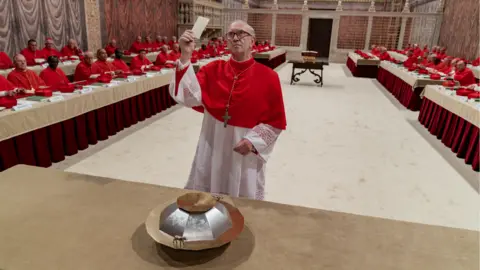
x=88 y=58
x=72 y=43
x=460 y=65
x=20 y=62
x=165 y=48
x=242 y=25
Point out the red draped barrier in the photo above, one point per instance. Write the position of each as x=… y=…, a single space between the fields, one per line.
x=51 y=144
x=362 y=71
x=410 y=98
x=274 y=62
x=455 y=132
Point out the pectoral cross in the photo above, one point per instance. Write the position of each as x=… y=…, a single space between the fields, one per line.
x=226 y=117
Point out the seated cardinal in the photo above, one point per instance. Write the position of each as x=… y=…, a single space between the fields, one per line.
x=50 y=49
x=175 y=54
x=31 y=53
x=412 y=59
x=53 y=76
x=140 y=62
x=111 y=47
x=102 y=64
x=163 y=58
x=118 y=63
x=463 y=74
x=72 y=50
x=86 y=70
x=476 y=62
x=22 y=77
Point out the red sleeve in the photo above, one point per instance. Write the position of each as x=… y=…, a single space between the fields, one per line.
x=40 y=82
x=276 y=113
x=5 y=85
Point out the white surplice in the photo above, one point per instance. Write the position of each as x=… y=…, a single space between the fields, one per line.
x=216 y=167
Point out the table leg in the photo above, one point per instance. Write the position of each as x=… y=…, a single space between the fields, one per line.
x=319 y=78
x=291 y=78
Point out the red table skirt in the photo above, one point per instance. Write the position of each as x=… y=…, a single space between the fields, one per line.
x=455 y=132
x=400 y=89
x=51 y=144
x=274 y=62
x=362 y=71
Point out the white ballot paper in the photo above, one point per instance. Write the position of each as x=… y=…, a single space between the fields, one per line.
x=200 y=26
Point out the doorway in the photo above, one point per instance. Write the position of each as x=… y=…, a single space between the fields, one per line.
x=319 y=35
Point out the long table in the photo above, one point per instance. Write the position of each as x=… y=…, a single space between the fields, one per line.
x=398 y=56
x=54 y=220
x=271 y=59
x=48 y=132
x=361 y=67
x=454 y=120
x=406 y=86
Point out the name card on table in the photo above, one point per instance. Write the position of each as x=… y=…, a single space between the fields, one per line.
x=151 y=74
x=53 y=99
x=20 y=107
x=131 y=79
x=462 y=98
x=67 y=62
x=84 y=90
x=45 y=65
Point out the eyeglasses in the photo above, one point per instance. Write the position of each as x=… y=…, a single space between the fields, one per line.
x=239 y=34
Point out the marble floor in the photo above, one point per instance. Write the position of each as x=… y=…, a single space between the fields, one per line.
x=349 y=146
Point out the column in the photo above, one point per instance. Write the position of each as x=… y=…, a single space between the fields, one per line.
x=369 y=33
x=334 y=37
x=402 y=33
x=304 y=34
x=274 y=28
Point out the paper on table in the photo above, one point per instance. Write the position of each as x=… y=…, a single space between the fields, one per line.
x=200 y=26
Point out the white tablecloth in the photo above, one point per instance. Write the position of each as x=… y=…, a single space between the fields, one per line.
x=360 y=61
x=412 y=78
x=467 y=109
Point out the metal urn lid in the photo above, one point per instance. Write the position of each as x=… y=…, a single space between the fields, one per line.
x=195 y=221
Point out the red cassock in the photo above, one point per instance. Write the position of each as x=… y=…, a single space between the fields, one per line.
x=465 y=77
x=430 y=65
x=5 y=61
x=476 y=62
x=67 y=51
x=104 y=66
x=84 y=71
x=384 y=56
x=441 y=55
x=5 y=85
x=148 y=45
x=49 y=52
x=174 y=56
x=424 y=62
x=162 y=58
x=120 y=65
x=110 y=49
x=137 y=63
x=203 y=53
x=136 y=47
x=410 y=61
x=26 y=79
x=375 y=51
x=54 y=77
x=171 y=42
x=213 y=52
x=31 y=55
x=417 y=52
x=257 y=89
x=445 y=69
x=441 y=65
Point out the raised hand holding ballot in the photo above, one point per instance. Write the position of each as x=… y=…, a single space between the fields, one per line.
x=243 y=115
x=187 y=45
